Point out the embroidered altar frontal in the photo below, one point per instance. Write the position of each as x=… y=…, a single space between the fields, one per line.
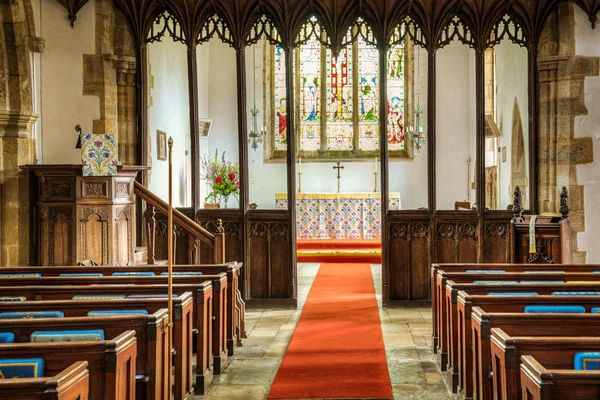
x=338 y=216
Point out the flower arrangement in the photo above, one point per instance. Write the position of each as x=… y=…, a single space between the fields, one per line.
x=222 y=176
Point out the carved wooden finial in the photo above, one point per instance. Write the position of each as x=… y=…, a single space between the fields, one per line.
x=564 y=203
x=220 y=229
x=517 y=203
x=170 y=143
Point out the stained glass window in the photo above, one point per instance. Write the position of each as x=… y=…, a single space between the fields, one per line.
x=338 y=100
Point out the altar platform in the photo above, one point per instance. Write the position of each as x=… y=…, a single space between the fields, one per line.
x=339 y=250
x=338 y=215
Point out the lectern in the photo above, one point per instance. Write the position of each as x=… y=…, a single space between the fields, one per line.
x=76 y=217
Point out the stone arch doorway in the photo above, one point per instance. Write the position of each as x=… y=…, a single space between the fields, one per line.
x=518 y=160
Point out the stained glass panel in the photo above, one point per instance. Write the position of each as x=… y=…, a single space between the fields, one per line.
x=339 y=104
x=310 y=96
x=368 y=96
x=280 y=102
x=395 y=98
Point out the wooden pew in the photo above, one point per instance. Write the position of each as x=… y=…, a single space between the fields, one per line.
x=111 y=362
x=187 y=283
x=70 y=384
x=236 y=327
x=130 y=285
x=475 y=326
x=554 y=352
x=540 y=383
x=152 y=344
x=182 y=330
x=448 y=330
x=438 y=288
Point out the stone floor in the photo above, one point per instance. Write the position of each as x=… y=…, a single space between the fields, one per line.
x=406 y=333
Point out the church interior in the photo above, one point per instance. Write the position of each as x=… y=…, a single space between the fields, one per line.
x=299 y=199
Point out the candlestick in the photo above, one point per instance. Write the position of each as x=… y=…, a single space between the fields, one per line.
x=376 y=163
x=300 y=164
x=299 y=182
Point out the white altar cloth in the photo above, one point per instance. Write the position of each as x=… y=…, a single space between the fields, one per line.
x=338 y=215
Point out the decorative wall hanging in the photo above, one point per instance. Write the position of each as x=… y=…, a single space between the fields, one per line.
x=99 y=155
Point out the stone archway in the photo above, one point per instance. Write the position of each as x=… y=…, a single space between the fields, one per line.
x=518 y=161
x=17 y=41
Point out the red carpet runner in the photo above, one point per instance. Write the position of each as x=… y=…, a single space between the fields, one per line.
x=337 y=348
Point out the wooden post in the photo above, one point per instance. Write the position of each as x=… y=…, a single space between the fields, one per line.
x=219 y=249
x=170 y=267
x=150 y=234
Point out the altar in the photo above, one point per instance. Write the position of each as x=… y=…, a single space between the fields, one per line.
x=338 y=215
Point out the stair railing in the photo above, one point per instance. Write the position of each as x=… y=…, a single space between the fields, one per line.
x=195 y=232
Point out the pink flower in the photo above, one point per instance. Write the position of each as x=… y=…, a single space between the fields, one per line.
x=231 y=177
x=218 y=180
x=98 y=143
x=237 y=184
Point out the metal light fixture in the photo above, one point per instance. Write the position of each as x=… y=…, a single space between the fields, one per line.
x=416 y=132
x=79 y=133
x=255 y=137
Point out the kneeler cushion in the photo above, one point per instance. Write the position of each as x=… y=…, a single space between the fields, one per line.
x=81 y=275
x=133 y=274
x=100 y=297
x=495 y=282
x=555 y=309
x=575 y=293
x=587 y=361
x=22 y=368
x=509 y=294
x=117 y=312
x=543 y=282
x=68 y=336
x=12 y=298
x=7 y=337
x=191 y=273
x=596 y=310
x=150 y=296
x=485 y=271
x=20 y=275
x=31 y=314
x=544 y=272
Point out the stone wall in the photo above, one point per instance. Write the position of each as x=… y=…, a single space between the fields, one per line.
x=562 y=76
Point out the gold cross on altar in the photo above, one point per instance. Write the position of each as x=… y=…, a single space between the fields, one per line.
x=339 y=167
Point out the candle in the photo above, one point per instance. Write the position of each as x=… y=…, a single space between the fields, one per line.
x=300 y=164
x=376 y=164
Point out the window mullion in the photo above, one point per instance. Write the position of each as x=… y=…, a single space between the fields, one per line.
x=324 y=100
x=355 y=94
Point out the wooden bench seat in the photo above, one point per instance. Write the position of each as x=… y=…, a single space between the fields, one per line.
x=475 y=325
x=152 y=344
x=111 y=363
x=182 y=331
x=71 y=383
x=539 y=382
x=145 y=285
x=554 y=352
x=32 y=289
x=236 y=327
x=438 y=288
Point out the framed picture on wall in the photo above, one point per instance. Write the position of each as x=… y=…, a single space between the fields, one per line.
x=205 y=125
x=161 y=145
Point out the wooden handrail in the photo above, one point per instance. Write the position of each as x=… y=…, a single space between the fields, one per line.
x=180 y=219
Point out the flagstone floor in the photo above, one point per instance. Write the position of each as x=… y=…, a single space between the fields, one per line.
x=406 y=334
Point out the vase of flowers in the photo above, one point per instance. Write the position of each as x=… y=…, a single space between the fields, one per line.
x=223 y=179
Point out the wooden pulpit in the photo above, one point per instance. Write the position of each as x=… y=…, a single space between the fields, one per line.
x=76 y=217
x=552 y=235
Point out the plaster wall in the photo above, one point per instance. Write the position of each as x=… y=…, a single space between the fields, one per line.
x=588 y=44
x=169 y=112
x=58 y=81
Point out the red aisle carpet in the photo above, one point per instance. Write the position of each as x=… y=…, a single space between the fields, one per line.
x=337 y=348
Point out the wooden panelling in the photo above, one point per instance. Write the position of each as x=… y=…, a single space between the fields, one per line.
x=496 y=242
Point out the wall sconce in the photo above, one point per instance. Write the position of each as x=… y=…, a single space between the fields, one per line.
x=416 y=132
x=80 y=132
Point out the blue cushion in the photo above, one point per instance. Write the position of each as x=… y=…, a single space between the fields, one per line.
x=485 y=271
x=100 y=297
x=7 y=337
x=588 y=360
x=595 y=310
x=508 y=294
x=12 y=298
x=20 y=275
x=555 y=309
x=22 y=368
x=31 y=314
x=133 y=274
x=191 y=273
x=495 y=282
x=117 y=313
x=544 y=272
x=68 y=336
x=80 y=275
x=542 y=282
x=150 y=296
x=575 y=293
